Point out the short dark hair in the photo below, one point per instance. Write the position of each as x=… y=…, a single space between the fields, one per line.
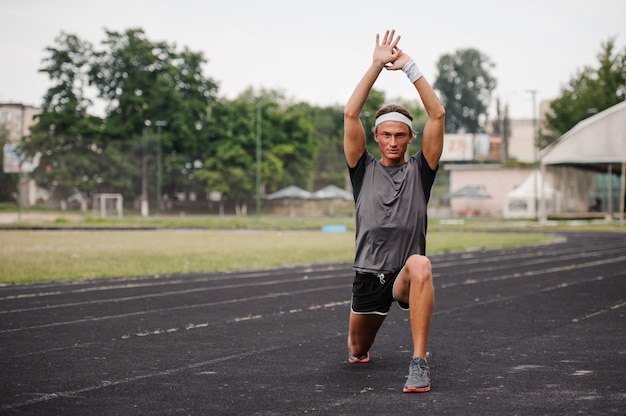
x=394 y=108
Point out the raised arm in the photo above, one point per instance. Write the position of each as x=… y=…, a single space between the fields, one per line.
x=385 y=53
x=432 y=144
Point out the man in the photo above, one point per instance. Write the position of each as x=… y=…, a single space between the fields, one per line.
x=390 y=197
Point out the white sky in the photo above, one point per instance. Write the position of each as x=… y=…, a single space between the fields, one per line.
x=316 y=51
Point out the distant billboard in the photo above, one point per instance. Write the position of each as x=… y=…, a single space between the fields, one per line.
x=11 y=162
x=471 y=147
x=458 y=147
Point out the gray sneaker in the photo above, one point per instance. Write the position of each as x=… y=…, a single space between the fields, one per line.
x=419 y=377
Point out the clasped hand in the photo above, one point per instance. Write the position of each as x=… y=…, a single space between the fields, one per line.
x=387 y=52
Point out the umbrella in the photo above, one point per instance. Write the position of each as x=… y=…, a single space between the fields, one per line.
x=290 y=193
x=469 y=191
x=332 y=193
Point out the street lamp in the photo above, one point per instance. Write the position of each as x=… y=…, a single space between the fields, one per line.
x=535 y=152
x=160 y=124
x=144 y=171
x=258 y=158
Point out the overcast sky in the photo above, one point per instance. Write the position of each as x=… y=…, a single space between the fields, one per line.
x=316 y=51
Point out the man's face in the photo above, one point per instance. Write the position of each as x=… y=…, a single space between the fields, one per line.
x=393 y=138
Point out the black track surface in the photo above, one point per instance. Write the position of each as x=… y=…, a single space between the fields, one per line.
x=528 y=331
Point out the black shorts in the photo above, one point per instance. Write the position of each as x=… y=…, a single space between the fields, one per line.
x=372 y=293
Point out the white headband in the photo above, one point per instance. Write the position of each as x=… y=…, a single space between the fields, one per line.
x=394 y=116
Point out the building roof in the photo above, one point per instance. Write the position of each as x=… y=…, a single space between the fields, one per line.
x=596 y=141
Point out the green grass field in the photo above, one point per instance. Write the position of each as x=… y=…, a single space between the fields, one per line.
x=36 y=256
x=83 y=247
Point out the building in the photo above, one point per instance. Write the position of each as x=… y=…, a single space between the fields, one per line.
x=596 y=144
x=18 y=118
x=521 y=142
x=489 y=174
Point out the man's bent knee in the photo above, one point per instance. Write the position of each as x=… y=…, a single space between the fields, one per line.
x=419 y=268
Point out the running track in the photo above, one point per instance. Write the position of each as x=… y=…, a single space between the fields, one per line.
x=528 y=331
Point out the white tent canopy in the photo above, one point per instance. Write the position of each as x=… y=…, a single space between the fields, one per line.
x=598 y=142
x=521 y=202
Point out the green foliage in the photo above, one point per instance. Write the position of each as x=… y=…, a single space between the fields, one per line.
x=142 y=82
x=66 y=66
x=465 y=85
x=145 y=80
x=287 y=140
x=67 y=137
x=293 y=143
x=203 y=143
x=330 y=163
x=590 y=91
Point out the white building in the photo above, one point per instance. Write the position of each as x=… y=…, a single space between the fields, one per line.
x=17 y=119
x=495 y=178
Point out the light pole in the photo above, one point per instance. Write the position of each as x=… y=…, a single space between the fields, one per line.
x=258 y=158
x=535 y=151
x=144 y=172
x=160 y=124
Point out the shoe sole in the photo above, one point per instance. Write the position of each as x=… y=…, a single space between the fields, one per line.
x=359 y=360
x=416 y=389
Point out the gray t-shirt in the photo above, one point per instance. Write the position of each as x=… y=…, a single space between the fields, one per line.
x=391 y=216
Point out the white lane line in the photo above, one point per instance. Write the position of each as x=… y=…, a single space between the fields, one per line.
x=171 y=293
x=189 y=327
x=204 y=325
x=520 y=295
x=175 y=308
x=155 y=281
x=304 y=277
x=483 y=265
x=469 y=258
x=439 y=266
x=536 y=272
x=274 y=295
x=103 y=384
x=600 y=312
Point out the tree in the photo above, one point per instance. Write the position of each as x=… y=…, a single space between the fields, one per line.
x=206 y=144
x=288 y=146
x=67 y=137
x=293 y=143
x=466 y=85
x=590 y=91
x=144 y=82
x=228 y=151
x=330 y=163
